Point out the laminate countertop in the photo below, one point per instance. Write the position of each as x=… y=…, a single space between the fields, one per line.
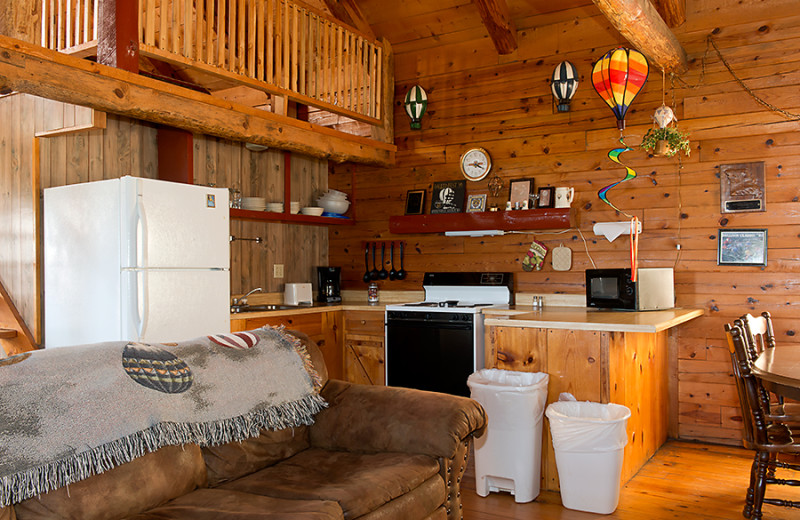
x=345 y=305
x=581 y=318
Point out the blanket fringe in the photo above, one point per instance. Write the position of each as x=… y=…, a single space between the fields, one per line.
x=36 y=481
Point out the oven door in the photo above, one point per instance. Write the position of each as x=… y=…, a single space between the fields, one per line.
x=430 y=350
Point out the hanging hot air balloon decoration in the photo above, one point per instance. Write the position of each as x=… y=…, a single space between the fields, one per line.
x=618 y=77
x=564 y=84
x=416 y=103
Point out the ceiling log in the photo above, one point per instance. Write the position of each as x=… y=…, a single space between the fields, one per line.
x=497 y=19
x=53 y=75
x=672 y=11
x=639 y=23
x=347 y=11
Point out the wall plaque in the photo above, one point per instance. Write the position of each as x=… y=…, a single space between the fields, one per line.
x=741 y=187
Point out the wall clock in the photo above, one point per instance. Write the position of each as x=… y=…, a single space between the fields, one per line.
x=475 y=164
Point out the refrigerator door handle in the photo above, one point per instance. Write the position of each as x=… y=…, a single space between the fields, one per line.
x=137 y=239
x=141 y=325
x=131 y=277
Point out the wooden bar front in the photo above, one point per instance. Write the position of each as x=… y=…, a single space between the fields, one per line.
x=623 y=367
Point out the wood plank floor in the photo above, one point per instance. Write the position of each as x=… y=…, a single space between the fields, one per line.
x=683 y=480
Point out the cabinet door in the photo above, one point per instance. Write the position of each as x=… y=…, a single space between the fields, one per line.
x=364 y=361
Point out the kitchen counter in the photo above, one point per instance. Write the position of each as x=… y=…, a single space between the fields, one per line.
x=345 y=305
x=582 y=318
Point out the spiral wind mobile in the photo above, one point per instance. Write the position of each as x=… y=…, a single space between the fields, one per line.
x=618 y=77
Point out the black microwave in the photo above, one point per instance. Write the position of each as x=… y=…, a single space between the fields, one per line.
x=654 y=289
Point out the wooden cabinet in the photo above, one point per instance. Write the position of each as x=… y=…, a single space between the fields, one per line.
x=364 y=355
x=323 y=327
x=628 y=368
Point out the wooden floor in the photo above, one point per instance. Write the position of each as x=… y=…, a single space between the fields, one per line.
x=683 y=480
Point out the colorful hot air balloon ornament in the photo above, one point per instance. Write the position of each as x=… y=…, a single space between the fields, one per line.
x=564 y=84
x=618 y=77
x=416 y=103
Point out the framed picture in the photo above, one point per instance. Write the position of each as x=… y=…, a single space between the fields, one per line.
x=547 y=197
x=415 y=202
x=448 y=197
x=476 y=203
x=520 y=192
x=742 y=247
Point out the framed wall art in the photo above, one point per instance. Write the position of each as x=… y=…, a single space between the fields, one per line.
x=519 y=193
x=742 y=247
x=476 y=203
x=448 y=197
x=415 y=202
x=547 y=197
x=742 y=187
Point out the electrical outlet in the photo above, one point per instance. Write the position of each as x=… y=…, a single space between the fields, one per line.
x=277 y=271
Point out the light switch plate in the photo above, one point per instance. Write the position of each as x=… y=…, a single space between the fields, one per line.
x=277 y=271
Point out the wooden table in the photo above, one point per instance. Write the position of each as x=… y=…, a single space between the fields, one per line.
x=779 y=369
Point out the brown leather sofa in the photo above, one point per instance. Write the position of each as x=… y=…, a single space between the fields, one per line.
x=376 y=453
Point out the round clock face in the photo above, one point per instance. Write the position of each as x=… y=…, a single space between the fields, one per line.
x=475 y=164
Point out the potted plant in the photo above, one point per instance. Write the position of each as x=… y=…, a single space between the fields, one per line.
x=666 y=141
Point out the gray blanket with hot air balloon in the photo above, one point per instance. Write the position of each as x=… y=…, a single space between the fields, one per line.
x=69 y=413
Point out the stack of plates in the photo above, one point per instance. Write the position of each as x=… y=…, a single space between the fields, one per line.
x=254 y=203
x=294 y=207
x=277 y=207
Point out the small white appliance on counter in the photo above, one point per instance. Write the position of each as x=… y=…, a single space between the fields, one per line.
x=135 y=259
x=298 y=294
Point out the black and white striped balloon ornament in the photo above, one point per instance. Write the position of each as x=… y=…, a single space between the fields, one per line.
x=564 y=84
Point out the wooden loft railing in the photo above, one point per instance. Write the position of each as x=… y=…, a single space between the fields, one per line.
x=286 y=49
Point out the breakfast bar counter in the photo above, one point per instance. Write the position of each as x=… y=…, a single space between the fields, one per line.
x=628 y=358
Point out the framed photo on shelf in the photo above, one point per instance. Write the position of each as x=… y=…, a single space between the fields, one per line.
x=448 y=197
x=742 y=247
x=547 y=197
x=415 y=202
x=476 y=203
x=520 y=192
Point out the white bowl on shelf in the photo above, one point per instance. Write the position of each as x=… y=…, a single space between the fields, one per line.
x=312 y=210
x=337 y=207
x=276 y=207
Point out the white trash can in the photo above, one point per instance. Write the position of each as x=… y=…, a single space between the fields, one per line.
x=508 y=456
x=589 y=441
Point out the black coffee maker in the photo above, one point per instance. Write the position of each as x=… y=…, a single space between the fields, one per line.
x=329 y=282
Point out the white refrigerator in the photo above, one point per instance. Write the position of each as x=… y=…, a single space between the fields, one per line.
x=135 y=259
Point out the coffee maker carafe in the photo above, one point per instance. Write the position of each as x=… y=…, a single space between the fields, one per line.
x=329 y=281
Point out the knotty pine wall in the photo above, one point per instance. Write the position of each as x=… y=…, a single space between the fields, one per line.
x=503 y=104
x=129 y=147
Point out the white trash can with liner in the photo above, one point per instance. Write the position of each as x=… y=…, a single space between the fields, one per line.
x=589 y=441
x=508 y=456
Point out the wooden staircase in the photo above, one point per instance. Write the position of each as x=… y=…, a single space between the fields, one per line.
x=15 y=337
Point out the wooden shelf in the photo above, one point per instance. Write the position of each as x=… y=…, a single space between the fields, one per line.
x=520 y=220
x=269 y=216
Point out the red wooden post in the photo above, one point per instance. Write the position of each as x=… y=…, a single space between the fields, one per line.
x=175 y=155
x=118 y=34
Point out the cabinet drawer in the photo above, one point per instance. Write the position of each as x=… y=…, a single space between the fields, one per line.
x=364 y=322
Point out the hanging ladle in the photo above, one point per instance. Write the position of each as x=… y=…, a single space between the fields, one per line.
x=367 y=276
x=373 y=275
x=401 y=274
x=383 y=274
x=393 y=272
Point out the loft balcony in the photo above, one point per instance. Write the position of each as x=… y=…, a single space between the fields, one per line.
x=276 y=57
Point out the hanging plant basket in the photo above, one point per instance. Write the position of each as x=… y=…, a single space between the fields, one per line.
x=666 y=141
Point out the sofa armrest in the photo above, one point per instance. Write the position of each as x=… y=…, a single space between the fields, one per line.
x=376 y=418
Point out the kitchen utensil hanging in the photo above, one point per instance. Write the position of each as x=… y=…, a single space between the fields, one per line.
x=373 y=273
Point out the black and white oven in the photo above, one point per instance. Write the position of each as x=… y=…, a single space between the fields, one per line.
x=437 y=343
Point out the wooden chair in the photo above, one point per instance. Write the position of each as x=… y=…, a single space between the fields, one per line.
x=766 y=433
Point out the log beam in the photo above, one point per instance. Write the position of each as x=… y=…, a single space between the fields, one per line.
x=639 y=23
x=49 y=74
x=497 y=19
x=673 y=12
x=348 y=12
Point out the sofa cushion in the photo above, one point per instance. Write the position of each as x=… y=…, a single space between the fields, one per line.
x=216 y=504
x=418 y=503
x=360 y=482
x=137 y=486
x=235 y=459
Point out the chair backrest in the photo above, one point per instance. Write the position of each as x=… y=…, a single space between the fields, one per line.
x=738 y=368
x=758 y=331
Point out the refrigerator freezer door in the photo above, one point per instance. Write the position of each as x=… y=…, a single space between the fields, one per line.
x=164 y=305
x=81 y=263
x=174 y=225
